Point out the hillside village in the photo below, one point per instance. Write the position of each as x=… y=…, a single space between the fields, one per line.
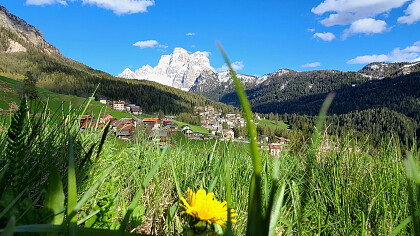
x=220 y=126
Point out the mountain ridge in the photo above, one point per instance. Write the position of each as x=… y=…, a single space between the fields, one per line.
x=60 y=74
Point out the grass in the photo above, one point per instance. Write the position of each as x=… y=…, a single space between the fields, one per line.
x=58 y=104
x=194 y=128
x=274 y=124
x=115 y=187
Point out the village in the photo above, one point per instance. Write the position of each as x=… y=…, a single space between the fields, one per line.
x=159 y=130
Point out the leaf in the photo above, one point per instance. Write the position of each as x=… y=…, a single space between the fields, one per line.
x=137 y=216
x=178 y=189
x=276 y=209
x=71 y=189
x=55 y=198
x=172 y=213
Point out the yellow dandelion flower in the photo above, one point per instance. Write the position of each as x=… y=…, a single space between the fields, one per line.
x=204 y=207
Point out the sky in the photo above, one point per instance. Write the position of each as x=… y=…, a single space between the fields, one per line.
x=259 y=36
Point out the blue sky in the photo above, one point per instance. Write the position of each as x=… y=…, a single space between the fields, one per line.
x=260 y=36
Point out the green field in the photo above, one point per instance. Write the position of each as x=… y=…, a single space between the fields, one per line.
x=58 y=104
x=274 y=124
x=194 y=128
x=55 y=179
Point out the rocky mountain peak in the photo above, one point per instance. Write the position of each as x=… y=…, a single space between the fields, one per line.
x=179 y=69
x=26 y=34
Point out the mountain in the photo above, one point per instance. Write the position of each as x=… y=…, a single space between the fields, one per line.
x=379 y=70
x=189 y=72
x=215 y=85
x=179 y=69
x=23 y=35
x=23 y=48
x=390 y=86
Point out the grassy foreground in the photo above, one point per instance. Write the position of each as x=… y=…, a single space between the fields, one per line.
x=56 y=179
x=344 y=192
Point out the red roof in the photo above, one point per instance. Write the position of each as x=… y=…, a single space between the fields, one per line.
x=274 y=146
x=151 y=119
x=126 y=127
x=84 y=117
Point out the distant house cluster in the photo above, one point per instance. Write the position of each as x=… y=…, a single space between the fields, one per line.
x=123 y=128
x=122 y=106
x=160 y=129
x=212 y=119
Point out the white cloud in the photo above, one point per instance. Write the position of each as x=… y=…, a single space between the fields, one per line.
x=311 y=30
x=408 y=54
x=366 y=26
x=313 y=64
x=149 y=44
x=207 y=53
x=237 y=65
x=345 y=12
x=412 y=14
x=325 y=36
x=46 y=2
x=121 y=7
x=190 y=34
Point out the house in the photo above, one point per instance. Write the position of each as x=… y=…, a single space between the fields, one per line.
x=88 y=125
x=136 y=110
x=228 y=134
x=275 y=149
x=126 y=121
x=263 y=138
x=161 y=136
x=118 y=105
x=85 y=119
x=166 y=122
x=186 y=130
x=125 y=131
x=106 y=118
x=103 y=101
x=282 y=140
x=152 y=122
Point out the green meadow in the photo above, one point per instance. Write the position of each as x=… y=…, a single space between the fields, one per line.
x=56 y=179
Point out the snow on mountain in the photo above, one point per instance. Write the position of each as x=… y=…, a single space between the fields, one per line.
x=378 y=70
x=179 y=69
x=183 y=70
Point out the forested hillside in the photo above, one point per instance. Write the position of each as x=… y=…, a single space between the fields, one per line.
x=367 y=107
x=59 y=74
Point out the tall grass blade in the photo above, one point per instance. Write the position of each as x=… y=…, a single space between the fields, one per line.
x=276 y=209
x=3 y=171
x=413 y=187
x=255 y=220
x=401 y=226
x=56 y=198
x=71 y=188
x=178 y=188
x=89 y=193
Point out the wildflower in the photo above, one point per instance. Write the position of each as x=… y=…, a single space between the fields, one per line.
x=204 y=207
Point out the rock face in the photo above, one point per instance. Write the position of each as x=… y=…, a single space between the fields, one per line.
x=15 y=47
x=179 y=69
x=25 y=34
